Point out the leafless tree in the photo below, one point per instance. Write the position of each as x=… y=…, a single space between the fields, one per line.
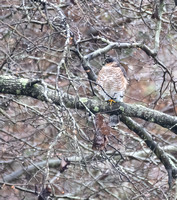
x=55 y=140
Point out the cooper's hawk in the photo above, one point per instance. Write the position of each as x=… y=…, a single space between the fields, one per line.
x=112 y=83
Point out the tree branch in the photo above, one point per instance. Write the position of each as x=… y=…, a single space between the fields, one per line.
x=21 y=86
x=118 y=45
x=158 y=27
x=142 y=133
x=34 y=167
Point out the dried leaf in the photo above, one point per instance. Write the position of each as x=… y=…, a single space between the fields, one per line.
x=100 y=141
x=102 y=124
x=63 y=165
x=102 y=131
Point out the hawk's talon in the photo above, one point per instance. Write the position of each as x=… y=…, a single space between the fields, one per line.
x=111 y=101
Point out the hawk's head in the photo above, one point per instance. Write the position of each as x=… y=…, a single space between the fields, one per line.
x=113 y=62
x=109 y=60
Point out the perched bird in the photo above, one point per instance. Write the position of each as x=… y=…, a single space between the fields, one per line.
x=112 y=82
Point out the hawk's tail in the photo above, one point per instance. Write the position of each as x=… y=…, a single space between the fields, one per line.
x=113 y=120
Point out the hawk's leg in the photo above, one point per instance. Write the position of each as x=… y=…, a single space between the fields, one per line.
x=111 y=101
x=114 y=119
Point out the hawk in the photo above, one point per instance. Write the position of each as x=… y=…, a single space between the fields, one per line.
x=112 y=82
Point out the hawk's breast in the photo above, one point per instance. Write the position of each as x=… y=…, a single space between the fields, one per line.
x=112 y=82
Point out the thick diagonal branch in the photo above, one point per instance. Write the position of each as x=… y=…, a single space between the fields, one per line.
x=161 y=155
